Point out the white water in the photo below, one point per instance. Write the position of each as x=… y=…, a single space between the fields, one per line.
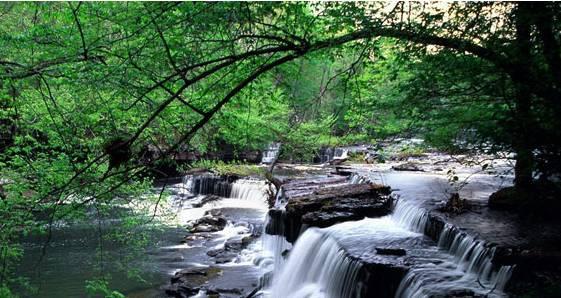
x=466 y=266
x=318 y=267
x=329 y=154
x=271 y=154
x=242 y=193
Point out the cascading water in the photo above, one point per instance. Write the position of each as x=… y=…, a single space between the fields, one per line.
x=328 y=154
x=467 y=265
x=248 y=189
x=208 y=185
x=271 y=154
x=318 y=266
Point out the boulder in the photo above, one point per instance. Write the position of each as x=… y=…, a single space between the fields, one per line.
x=187 y=282
x=208 y=223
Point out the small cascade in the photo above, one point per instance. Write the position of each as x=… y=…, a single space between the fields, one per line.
x=248 y=189
x=328 y=154
x=274 y=248
x=468 y=265
x=271 y=154
x=410 y=216
x=317 y=267
x=327 y=262
x=230 y=192
x=208 y=185
x=357 y=179
x=340 y=153
x=280 y=200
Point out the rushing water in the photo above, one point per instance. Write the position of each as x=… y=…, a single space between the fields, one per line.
x=323 y=261
x=73 y=249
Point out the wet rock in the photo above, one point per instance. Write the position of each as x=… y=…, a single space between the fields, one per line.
x=208 y=223
x=233 y=244
x=210 y=293
x=509 y=198
x=194 y=276
x=215 y=252
x=187 y=282
x=344 y=171
x=237 y=243
x=217 y=221
x=463 y=293
x=235 y=291
x=327 y=206
x=185 y=273
x=390 y=251
x=323 y=219
x=225 y=257
x=408 y=166
x=380 y=279
x=181 y=291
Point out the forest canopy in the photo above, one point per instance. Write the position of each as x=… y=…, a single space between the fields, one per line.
x=98 y=97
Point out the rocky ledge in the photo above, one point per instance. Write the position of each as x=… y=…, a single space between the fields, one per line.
x=327 y=206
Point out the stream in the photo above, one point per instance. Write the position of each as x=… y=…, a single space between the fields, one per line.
x=337 y=261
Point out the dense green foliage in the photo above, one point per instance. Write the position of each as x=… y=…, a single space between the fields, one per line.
x=97 y=97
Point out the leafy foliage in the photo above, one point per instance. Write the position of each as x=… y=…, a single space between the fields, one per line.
x=193 y=77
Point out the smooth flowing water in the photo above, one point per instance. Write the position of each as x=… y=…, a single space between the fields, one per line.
x=323 y=261
x=74 y=248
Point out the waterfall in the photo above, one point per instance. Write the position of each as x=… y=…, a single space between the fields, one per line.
x=271 y=154
x=469 y=261
x=328 y=154
x=320 y=263
x=317 y=267
x=208 y=185
x=357 y=179
x=410 y=216
x=274 y=246
x=341 y=153
x=248 y=189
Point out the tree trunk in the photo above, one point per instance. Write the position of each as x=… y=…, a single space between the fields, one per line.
x=523 y=169
x=522 y=142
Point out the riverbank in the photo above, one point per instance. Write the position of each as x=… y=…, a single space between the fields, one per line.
x=227 y=246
